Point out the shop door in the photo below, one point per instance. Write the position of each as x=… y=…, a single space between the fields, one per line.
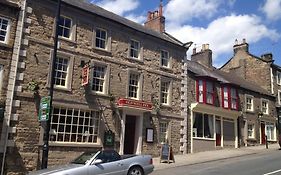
x=262 y=133
x=218 y=132
x=129 y=143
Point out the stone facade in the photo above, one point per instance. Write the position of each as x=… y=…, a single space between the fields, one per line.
x=25 y=155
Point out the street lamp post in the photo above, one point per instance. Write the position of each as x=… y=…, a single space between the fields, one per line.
x=51 y=91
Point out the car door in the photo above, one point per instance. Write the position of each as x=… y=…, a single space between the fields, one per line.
x=110 y=165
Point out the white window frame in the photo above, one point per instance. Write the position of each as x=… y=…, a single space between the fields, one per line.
x=225 y=97
x=163 y=131
x=105 y=40
x=105 y=78
x=278 y=77
x=7 y=30
x=269 y=136
x=252 y=104
x=69 y=28
x=200 y=91
x=62 y=71
x=138 y=50
x=279 y=97
x=1 y=76
x=87 y=126
x=253 y=135
x=267 y=106
x=165 y=59
x=138 y=85
x=167 y=91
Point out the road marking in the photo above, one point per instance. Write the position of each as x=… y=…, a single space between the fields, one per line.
x=273 y=172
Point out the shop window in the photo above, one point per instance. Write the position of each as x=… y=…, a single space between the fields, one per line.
x=65 y=26
x=74 y=125
x=4 y=30
x=203 y=126
x=251 y=131
x=205 y=92
x=270 y=131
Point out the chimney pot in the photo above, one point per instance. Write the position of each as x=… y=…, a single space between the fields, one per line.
x=194 y=50
x=244 y=40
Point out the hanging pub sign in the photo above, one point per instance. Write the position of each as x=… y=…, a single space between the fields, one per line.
x=44 y=111
x=109 y=138
x=85 y=75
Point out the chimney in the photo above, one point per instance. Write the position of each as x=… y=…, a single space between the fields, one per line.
x=156 y=20
x=267 y=57
x=204 y=57
x=240 y=46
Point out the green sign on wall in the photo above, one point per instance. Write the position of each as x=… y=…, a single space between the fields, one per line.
x=44 y=111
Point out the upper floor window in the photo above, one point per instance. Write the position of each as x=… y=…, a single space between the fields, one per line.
x=74 y=125
x=61 y=72
x=65 y=25
x=99 y=78
x=264 y=106
x=165 y=59
x=134 y=79
x=205 y=91
x=4 y=30
x=101 y=38
x=251 y=130
x=278 y=77
x=165 y=92
x=249 y=102
x=230 y=97
x=163 y=131
x=134 y=49
x=279 y=97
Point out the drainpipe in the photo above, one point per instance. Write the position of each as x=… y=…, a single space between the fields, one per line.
x=12 y=82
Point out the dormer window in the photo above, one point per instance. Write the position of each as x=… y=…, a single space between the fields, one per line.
x=205 y=92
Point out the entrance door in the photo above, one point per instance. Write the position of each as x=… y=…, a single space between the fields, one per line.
x=262 y=133
x=218 y=132
x=129 y=142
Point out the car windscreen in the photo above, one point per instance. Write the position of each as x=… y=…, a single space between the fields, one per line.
x=82 y=159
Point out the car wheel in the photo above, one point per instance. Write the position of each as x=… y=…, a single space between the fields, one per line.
x=135 y=171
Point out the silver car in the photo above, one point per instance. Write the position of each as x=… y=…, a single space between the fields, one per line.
x=107 y=162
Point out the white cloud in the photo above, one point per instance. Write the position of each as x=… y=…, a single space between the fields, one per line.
x=119 y=7
x=136 y=18
x=272 y=9
x=222 y=32
x=180 y=11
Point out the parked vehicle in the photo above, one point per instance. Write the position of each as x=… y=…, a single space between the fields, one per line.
x=107 y=162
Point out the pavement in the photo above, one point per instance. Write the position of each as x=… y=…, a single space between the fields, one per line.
x=208 y=156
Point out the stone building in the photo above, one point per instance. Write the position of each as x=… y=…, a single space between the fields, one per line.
x=218 y=105
x=260 y=70
x=132 y=84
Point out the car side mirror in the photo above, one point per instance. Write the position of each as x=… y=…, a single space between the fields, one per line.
x=97 y=161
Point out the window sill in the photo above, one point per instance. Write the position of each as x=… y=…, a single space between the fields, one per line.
x=166 y=68
x=67 y=40
x=6 y=45
x=100 y=94
x=202 y=138
x=166 y=105
x=135 y=59
x=103 y=51
x=61 y=89
x=250 y=112
x=251 y=139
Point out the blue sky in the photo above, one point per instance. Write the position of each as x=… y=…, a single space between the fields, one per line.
x=214 y=22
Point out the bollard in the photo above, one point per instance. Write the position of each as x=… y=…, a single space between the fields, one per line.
x=266 y=143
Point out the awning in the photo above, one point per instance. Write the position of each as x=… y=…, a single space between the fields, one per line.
x=218 y=111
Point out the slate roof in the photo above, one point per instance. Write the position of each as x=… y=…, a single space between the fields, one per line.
x=94 y=9
x=224 y=77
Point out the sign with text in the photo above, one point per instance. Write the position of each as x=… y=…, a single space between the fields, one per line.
x=44 y=111
x=166 y=154
x=85 y=75
x=134 y=103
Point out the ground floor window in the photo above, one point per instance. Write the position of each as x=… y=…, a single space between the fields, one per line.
x=163 y=131
x=251 y=130
x=74 y=125
x=203 y=125
x=270 y=131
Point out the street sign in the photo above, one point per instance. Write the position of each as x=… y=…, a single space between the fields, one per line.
x=44 y=111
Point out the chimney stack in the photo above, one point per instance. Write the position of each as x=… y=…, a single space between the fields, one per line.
x=156 y=20
x=240 y=47
x=204 y=57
